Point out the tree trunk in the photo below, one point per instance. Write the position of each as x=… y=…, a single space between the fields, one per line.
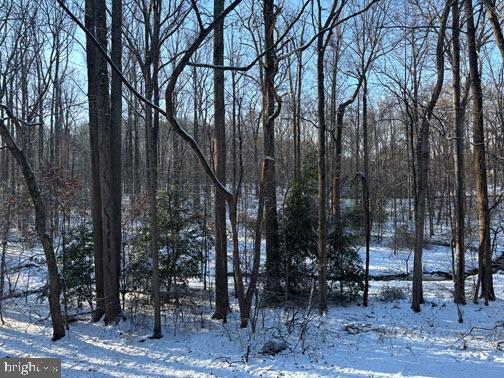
x=322 y=178
x=459 y=273
x=3 y=267
x=111 y=220
x=365 y=191
x=496 y=27
x=273 y=259
x=485 y=252
x=422 y=168
x=221 y=279
x=96 y=203
x=40 y=227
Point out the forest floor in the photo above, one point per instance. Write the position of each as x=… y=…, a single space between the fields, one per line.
x=386 y=339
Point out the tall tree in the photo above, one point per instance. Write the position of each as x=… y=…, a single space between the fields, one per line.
x=221 y=280
x=422 y=164
x=108 y=122
x=485 y=278
x=270 y=97
x=96 y=202
x=114 y=257
x=322 y=42
x=459 y=293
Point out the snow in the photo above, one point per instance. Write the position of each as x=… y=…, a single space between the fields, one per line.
x=384 y=260
x=385 y=339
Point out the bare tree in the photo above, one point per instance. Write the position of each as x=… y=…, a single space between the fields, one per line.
x=270 y=98
x=221 y=279
x=459 y=273
x=40 y=223
x=496 y=25
x=107 y=124
x=485 y=279
x=422 y=164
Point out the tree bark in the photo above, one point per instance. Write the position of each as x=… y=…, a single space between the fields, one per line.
x=111 y=220
x=485 y=251
x=496 y=26
x=459 y=273
x=40 y=227
x=96 y=203
x=221 y=279
x=273 y=259
x=322 y=177
x=365 y=191
x=422 y=168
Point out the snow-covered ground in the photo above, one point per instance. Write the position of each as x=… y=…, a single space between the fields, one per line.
x=385 y=339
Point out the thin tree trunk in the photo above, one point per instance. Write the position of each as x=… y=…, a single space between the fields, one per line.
x=5 y=234
x=365 y=191
x=422 y=167
x=40 y=226
x=459 y=273
x=496 y=25
x=322 y=177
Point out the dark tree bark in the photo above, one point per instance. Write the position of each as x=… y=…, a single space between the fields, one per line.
x=273 y=258
x=221 y=280
x=365 y=191
x=149 y=61
x=115 y=145
x=459 y=273
x=485 y=251
x=96 y=203
x=3 y=266
x=322 y=185
x=111 y=219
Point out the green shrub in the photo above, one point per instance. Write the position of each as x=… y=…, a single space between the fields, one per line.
x=345 y=271
x=299 y=235
x=78 y=272
x=298 y=225
x=181 y=243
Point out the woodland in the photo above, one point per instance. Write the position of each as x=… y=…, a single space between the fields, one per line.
x=234 y=188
